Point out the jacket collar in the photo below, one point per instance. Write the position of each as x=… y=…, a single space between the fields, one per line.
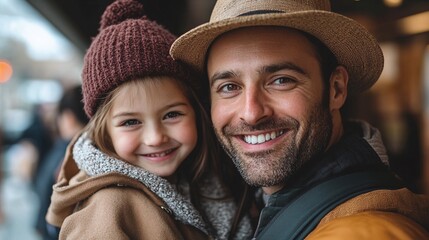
x=361 y=147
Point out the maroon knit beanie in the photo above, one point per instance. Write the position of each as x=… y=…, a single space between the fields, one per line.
x=128 y=46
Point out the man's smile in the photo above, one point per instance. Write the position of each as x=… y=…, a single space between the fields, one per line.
x=263 y=137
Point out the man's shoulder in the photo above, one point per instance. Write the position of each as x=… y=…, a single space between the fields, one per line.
x=370 y=225
x=379 y=212
x=402 y=201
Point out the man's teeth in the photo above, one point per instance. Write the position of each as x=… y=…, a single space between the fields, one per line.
x=261 y=138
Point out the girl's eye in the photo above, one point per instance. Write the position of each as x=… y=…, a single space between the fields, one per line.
x=130 y=122
x=172 y=115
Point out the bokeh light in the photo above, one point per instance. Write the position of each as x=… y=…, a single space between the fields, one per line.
x=5 y=71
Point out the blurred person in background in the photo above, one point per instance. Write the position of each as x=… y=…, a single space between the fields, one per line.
x=23 y=156
x=31 y=147
x=1 y=174
x=70 y=120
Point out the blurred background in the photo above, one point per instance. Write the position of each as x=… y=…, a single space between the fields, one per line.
x=42 y=44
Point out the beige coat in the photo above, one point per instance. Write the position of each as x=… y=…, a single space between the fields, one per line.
x=100 y=197
x=111 y=206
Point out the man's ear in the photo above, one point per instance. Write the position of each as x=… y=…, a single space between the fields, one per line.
x=338 y=88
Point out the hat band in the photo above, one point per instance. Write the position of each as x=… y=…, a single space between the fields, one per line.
x=257 y=12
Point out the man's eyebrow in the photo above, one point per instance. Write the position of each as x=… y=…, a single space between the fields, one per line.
x=283 y=66
x=265 y=69
x=221 y=75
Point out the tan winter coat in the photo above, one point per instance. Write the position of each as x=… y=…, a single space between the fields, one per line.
x=122 y=208
x=100 y=197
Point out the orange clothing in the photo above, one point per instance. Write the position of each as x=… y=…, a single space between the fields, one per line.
x=381 y=214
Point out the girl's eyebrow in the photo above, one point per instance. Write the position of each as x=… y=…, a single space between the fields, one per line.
x=175 y=105
x=123 y=114
x=131 y=114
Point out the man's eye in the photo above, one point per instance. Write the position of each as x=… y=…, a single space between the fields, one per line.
x=228 y=88
x=172 y=115
x=283 y=80
x=283 y=83
x=130 y=122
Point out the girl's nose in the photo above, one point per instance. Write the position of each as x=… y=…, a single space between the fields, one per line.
x=154 y=135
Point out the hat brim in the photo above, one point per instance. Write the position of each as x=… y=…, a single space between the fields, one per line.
x=355 y=48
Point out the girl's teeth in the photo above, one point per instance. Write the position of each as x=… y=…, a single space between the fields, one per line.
x=160 y=154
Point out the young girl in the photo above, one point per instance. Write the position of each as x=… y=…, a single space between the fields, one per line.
x=147 y=166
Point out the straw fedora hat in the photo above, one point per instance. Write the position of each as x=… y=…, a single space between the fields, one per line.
x=354 y=47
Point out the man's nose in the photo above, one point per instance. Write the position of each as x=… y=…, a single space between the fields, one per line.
x=256 y=107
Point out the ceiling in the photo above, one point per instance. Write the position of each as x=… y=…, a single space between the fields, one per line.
x=78 y=20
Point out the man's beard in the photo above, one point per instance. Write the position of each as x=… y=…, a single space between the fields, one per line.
x=274 y=166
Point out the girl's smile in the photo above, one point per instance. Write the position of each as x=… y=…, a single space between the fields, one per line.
x=160 y=156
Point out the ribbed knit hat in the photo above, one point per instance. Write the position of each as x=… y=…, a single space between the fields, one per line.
x=128 y=46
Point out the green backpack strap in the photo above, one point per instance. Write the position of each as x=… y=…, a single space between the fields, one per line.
x=299 y=218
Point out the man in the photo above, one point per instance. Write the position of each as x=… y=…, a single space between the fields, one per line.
x=279 y=72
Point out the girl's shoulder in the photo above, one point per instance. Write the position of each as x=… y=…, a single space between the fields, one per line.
x=122 y=210
x=128 y=196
